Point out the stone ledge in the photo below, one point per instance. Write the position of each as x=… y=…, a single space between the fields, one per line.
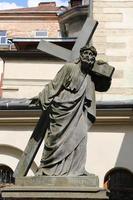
x=52 y=187
x=36 y=192
x=60 y=181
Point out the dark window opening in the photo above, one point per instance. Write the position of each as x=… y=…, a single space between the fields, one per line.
x=6 y=174
x=119 y=184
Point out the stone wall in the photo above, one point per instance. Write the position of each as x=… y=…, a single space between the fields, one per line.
x=113 y=40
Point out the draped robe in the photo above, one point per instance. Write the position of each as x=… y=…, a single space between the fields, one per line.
x=70 y=101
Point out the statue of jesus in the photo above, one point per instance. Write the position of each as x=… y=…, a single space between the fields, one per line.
x=69 y=101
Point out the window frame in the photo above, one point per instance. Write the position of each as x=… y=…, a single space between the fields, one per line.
x=3 y=37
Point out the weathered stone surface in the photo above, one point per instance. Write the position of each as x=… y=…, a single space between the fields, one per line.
x=46 y=187
x=108 y=17
x=34 y=192
x=60 y=181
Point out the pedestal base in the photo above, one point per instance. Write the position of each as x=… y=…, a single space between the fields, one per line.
x=60 y=181
x=63 y=188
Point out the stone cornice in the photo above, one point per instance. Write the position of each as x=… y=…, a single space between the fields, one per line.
x=30 y=117
x=74 y=12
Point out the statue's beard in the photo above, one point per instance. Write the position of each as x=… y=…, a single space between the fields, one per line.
x=86 y=66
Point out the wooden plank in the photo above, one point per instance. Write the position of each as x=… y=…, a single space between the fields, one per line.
x=54 y=50
x=84 y=37
x=32 y=146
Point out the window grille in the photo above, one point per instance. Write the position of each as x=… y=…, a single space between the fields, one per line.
x=3 y=37
x=41 y=34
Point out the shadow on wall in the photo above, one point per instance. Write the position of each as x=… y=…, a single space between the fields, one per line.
x=15 y=153
x=119 y=137
x=125 y=158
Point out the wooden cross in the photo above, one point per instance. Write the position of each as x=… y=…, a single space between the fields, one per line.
x=84 y=37
x=40 y=129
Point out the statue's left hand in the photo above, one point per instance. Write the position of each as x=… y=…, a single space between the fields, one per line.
x=35 y=102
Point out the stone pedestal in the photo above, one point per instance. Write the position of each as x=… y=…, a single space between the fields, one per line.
x=60 y=181
x=63 y=188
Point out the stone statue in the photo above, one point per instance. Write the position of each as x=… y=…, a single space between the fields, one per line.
x=69 y=101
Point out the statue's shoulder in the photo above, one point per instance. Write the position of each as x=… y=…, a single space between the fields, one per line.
x=69 y=66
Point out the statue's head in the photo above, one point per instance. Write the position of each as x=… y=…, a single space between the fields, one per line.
x=87 y=56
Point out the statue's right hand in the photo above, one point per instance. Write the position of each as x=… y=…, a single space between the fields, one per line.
x=34 y=100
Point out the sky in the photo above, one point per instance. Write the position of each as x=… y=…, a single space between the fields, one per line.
x=11 y=4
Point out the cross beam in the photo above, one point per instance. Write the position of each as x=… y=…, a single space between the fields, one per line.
x=32 y=147
x=54 y=50
x=84 y=37
x=69 y=55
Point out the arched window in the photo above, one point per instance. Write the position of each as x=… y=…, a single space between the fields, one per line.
x=6 y=174
x=119 y=183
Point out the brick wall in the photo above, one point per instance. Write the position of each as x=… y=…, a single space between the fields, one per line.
x=114 y=42
x=26 y=28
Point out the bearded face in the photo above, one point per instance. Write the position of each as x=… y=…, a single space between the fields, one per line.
x=87 y=58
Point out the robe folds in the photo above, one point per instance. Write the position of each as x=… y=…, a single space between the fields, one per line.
x=70 y=101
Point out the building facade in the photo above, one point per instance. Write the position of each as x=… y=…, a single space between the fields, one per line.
x=25 y=70
x=40 y=21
